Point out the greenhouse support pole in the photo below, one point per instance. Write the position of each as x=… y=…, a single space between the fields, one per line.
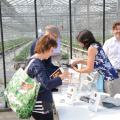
x=36 y=25
x=3 y=53
x=70 y=22
x=103 y=21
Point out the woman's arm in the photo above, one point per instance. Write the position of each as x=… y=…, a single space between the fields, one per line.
x=45 y=80
x=38 y=71
x=78 y=61
x=92 y=51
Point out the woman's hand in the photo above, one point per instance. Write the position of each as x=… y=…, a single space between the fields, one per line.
x=75 y=68
x=74 y=63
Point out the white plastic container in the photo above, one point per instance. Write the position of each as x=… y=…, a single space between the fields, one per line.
x=94 y=101
x=71 y=93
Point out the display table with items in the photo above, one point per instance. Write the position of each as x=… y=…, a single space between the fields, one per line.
x=79 y=100
x=80 y=110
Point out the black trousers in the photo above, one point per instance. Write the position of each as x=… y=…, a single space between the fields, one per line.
x=39 y=116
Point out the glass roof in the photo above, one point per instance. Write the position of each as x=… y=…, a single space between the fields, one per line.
x=20 y=14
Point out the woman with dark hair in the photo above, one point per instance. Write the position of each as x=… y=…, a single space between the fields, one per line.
x=87 y=38
x=43 y=50
x=96 y=60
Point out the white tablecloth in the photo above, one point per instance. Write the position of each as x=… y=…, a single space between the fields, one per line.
x=80 y=111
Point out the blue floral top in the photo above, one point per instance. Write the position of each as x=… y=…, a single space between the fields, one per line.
x=103 y=65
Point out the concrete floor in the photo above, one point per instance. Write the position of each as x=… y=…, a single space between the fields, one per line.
x=10 y=116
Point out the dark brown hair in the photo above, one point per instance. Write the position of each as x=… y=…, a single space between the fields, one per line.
x=44 y=44
x=115 y=24
x=87 y=38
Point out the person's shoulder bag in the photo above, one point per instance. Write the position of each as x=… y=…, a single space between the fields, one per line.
x=21 y=93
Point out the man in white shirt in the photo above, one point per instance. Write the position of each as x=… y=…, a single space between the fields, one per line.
x=112 y=46
x=112 y=49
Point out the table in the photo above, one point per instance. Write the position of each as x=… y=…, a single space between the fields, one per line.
x=79 y=110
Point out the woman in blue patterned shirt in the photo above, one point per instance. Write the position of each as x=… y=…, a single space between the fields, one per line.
x=96 y=60
x=43 y=50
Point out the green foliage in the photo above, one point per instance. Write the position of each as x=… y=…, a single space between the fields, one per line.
x=76 y=45
x=22 y=56
x=65 y=56
x=11 y=44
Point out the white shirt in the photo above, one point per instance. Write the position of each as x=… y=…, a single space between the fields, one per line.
x=112 y=49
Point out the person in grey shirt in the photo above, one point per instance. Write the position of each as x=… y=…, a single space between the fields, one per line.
x=54 y=33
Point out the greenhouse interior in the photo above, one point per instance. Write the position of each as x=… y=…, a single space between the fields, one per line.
x=21 y=22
